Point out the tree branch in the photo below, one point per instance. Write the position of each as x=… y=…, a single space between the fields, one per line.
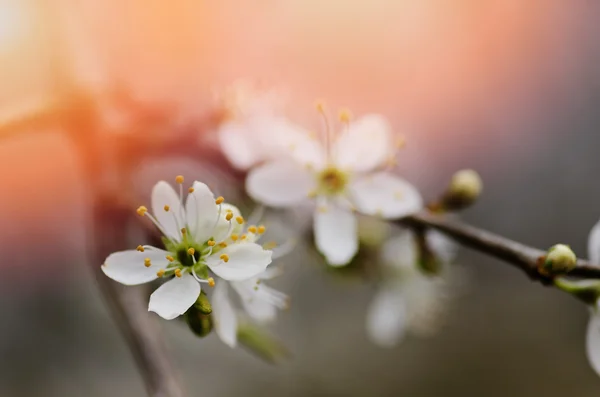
x=519 y=255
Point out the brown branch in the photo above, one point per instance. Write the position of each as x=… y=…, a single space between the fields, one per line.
x=517 y=254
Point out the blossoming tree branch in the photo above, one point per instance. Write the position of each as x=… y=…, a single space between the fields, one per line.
x=211 y=264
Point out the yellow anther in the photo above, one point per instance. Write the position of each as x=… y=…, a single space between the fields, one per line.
x=211 y=243
x=170 y=258
x=191 y=251
x=178 y=272
x=140 y=248
x=166 y=208
x=223 y=244
x=239 y=219
x=261 y=229
x=229 y=216
x=219 y=200
x=243 y=237
x=179 y=179
x=312 y=194
x=391 y=161
x=224 y=257
x=147 y=262
x=252 y=229
x=183 y=230
x=211 y=282
x=191 y=190
x=345 y=116
x=234 y=237
x=141 y=211
x=400 y=142
x=320 y=105
x=160 y=273
x=270 y=245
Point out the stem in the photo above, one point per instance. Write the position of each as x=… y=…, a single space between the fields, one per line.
x=517 y=254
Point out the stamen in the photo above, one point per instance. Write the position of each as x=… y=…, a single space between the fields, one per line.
x=179 y=179
x=252 y=229
x=178 y=272
x=191 y=190
x=261 y=229
x=142 y=210
x=229 y=216
x=328 y=138
x=183 y=230
x=211 y=243
x=234 y=237
x=223 y=244
x=270 y=245
x=140 y=248
x=198 y=279
x=191 y=251
x=170 y=258
x=166 y=208
x=400 y=142
x=239 y=219
x=219 y=200
x=312 y=194
x=243 y=237
x=211 y=282
x=345 y=116
x=224 y=258
x=147 y=262
x=160 y=273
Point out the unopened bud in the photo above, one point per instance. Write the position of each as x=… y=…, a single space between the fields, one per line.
x=464 y=189
x=560 y=259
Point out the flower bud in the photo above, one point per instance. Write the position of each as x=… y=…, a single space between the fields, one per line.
x=560 y=259
x=261 y=344
x=464 y=189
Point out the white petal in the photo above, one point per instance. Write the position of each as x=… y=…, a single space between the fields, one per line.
x=593 y=341
x=287 y=139
x=201 y=212
x=223 y=315
x=127 y=267
x=174 y=297
x=443 y=247
x=238 y=145
x=279 y=183
x=245 y=260
x=386 y=318
x=336 y=234
x=385 y=195
x=594 y=245
x=171 y=221
x=221 y=231
x=365 y=145
x=256 y=302
x=400 y=251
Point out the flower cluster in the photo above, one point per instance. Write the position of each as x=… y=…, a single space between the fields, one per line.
x=204 y=238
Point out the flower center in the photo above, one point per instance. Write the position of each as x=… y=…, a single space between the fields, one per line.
x=332 y=181
x=184 y=257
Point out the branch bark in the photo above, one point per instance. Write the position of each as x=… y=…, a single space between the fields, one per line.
x=517 y=254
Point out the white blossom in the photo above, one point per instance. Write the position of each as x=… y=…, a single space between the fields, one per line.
x=201 y=237
x=593 y=330
x=341 y=173
x=409 y=300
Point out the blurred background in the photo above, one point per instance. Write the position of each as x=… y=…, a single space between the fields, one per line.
x=508 y=87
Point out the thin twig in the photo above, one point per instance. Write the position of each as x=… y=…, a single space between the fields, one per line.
x=517 y=254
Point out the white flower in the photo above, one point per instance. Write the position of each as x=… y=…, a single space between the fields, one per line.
x=199 y=236
x=409 y=299
x=259 y=301
x=593 y=331
x=341 y=173
x=252 y=120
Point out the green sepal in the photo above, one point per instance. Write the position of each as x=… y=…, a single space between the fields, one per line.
x=587 y=291
x=260 y=343
x=203 y=304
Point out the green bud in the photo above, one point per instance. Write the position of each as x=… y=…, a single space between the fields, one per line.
x=587 y=291
x=199 y=317
x=464 y=189
x=560 y=259
x=261 y=344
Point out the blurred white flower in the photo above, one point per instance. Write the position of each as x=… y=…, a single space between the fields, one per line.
x=593 y=331
x=409 y=299
x=342 y=173
x=251 y=120
x=199 y=236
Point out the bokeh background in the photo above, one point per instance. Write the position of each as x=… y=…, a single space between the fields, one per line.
x=510 y=88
